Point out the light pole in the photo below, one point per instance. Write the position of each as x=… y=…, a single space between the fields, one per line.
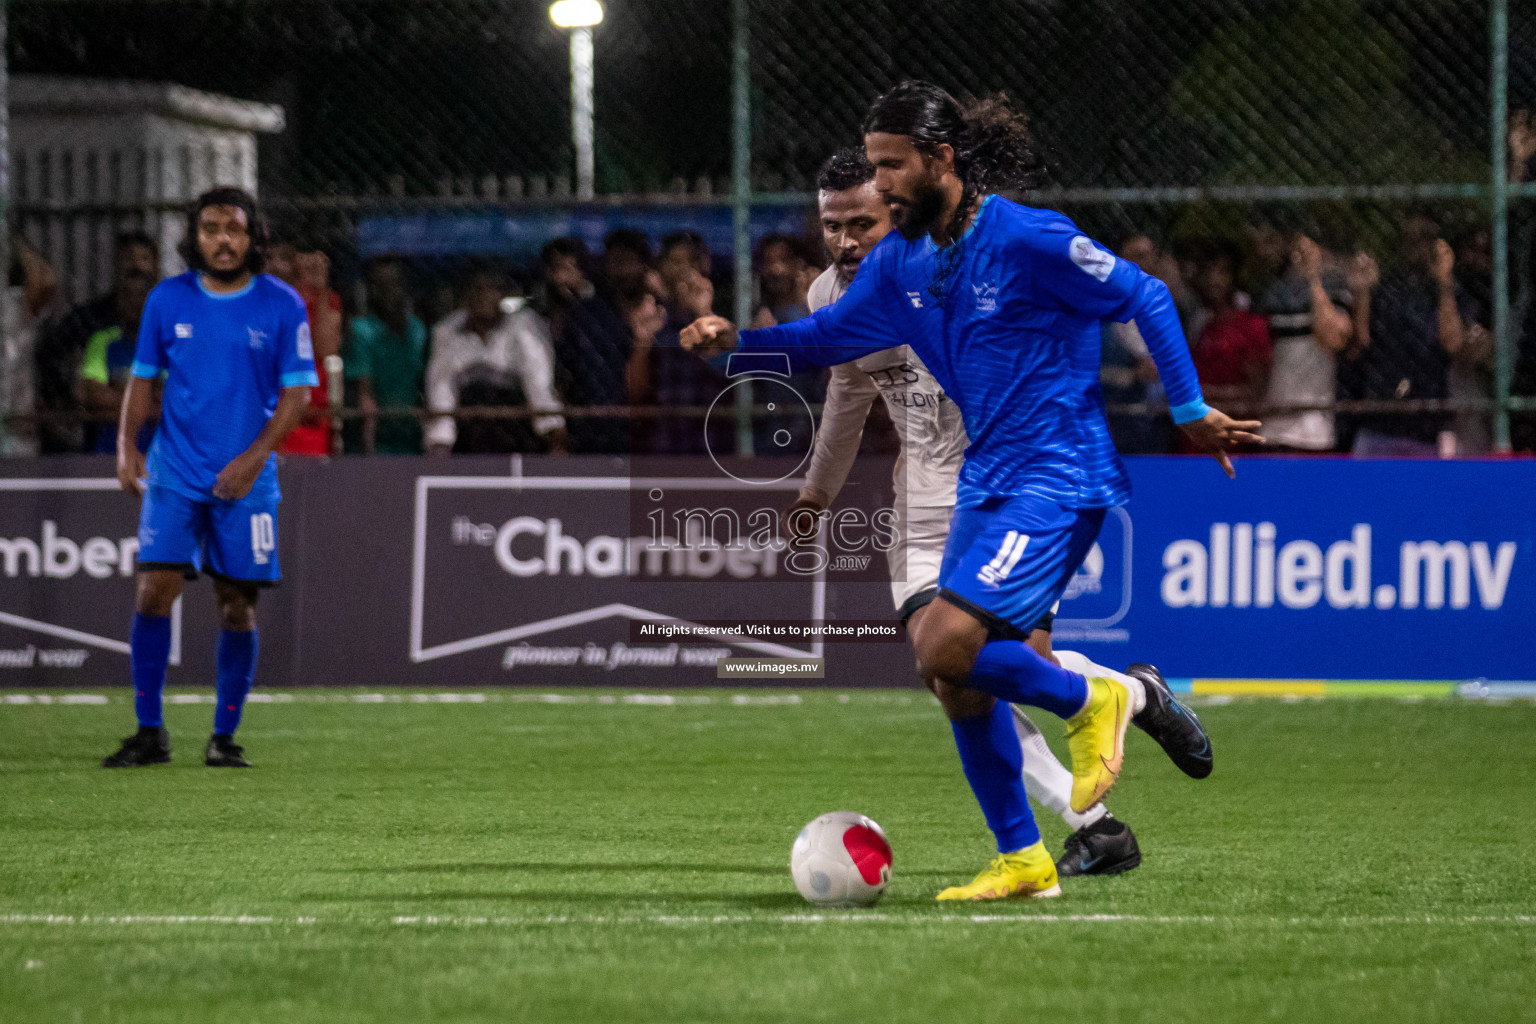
x=578 y=17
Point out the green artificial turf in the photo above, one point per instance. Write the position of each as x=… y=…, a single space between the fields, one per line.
x=518 y=860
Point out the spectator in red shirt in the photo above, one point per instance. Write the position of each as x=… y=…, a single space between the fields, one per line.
x=309 y=274
x=1232 y=351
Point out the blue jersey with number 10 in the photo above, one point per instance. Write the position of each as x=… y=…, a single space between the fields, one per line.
x=1013 y=337
x=226 y=360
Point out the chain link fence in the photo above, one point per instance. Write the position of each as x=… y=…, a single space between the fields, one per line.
x=425 y=150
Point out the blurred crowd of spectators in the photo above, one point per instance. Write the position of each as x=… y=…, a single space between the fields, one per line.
x=1288 y=324
x=1285 y=320
x=579 y=355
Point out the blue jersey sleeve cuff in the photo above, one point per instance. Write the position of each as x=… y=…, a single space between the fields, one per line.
x=301 y=379
x=145 y=371
x=1190 y=411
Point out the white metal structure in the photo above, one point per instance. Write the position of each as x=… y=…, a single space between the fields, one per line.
x=92 y=156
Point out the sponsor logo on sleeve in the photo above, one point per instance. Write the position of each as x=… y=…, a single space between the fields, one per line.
x=1091 y=259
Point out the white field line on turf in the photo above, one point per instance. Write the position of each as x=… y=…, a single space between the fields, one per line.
x=148 y=919
x=651 y=699
x=64 y=698
x=430 y=921
x=1020 y=918
x=648 y=699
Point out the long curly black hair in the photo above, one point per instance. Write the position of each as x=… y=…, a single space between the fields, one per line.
x=994 y=149
x=256 y=225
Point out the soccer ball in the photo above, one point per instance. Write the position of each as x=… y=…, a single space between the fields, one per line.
x=841 y=859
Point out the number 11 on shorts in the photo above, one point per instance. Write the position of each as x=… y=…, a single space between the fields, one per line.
x=997 y=570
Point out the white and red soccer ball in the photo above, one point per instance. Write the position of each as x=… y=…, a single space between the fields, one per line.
x=841 y=859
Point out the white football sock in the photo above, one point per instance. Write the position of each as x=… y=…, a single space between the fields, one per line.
x=1074 y=662
x=1046 y=779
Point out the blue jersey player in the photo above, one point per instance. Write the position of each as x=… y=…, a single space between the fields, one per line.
x=1003 y=303
x=233 y=347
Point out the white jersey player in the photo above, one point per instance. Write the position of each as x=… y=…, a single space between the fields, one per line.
x=933 y=444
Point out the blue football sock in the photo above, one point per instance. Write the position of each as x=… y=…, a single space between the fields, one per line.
x=993 y=763
x=1011 y=670
x=237 y=668
x=149 y=651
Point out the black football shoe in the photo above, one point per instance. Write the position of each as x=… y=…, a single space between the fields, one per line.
x=222 y=752
x=1107 y=847
x=150 y=745
x=1175 y=728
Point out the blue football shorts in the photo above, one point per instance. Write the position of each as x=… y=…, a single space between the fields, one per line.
x=235 y=540
x=1008 y=560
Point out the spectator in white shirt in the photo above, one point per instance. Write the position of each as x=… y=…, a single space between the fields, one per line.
x=492 y=352
x=23 y=305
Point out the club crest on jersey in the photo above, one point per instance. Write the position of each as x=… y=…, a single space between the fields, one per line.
x=1092 y=260
x=183 y=330
x=916 y=299
x=986 y=297
x=258 y=338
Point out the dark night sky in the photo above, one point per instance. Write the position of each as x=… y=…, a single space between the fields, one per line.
x=470 y=87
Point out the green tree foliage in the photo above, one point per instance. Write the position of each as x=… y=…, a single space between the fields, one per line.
x=1313 y=93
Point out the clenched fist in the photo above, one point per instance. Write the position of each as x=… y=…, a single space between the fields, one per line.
x=708 y=335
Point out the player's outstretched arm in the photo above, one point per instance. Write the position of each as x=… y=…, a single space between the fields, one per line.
x=1088 y=279
x=236 y=479
x=1147 y=301
x=1218 y=434
x=137 y=399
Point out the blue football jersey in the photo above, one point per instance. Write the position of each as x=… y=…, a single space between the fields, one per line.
x=226 y=359
x=1013 y=336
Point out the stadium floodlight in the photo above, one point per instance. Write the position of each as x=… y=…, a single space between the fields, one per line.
x=578 y=17
x=576 y=13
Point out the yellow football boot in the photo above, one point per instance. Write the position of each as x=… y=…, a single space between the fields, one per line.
x=1024 y=874
x=1096 y=737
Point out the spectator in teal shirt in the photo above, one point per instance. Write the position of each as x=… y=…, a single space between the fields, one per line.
x=386 y=354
